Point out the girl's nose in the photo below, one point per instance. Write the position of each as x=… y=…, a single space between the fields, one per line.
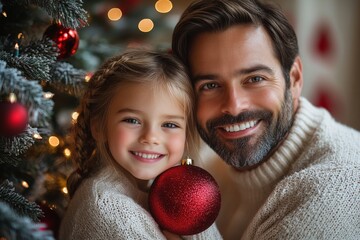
x=149 y=136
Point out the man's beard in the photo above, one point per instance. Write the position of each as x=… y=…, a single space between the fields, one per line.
x=241 y=152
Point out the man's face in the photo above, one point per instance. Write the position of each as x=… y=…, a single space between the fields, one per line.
x=243 y=107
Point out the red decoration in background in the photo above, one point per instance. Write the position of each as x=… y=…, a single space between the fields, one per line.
x=129 y=5
x=324 y=43
x=185 y=200
x=13 y=118
x=327 y=97
x=67 y=39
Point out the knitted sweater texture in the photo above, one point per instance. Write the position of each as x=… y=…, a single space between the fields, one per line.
x=308 y=189
x=110 y=206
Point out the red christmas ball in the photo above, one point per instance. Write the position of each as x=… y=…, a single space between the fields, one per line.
x=184 y=200
x=13 y=120
x=50 y=218
x=67 y=39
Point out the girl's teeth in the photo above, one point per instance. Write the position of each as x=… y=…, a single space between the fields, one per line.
x=144 y=155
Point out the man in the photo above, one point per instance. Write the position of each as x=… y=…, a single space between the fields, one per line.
x=292 y=171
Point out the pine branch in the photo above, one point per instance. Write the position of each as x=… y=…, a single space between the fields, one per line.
x=14 y=226
x=5 y=158
x=44 y=47
x=32 y=66
x=14 y=146
x=19 y=203
x=29 y=93
x=68 y=79
x=69 y=12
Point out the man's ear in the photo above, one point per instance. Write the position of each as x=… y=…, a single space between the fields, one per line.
x=296 y=81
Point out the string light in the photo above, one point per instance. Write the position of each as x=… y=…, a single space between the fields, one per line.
x=48 y=95
x=163 y=6
x=54 y=141
x=67 y=152
x=65 y=190
x=24 y=184
x=12 y=97
x=37 y=136
x=114 y=14
x=4 y=14
x=20 y=36
x=74 y=115
x=16 y=50
x=88 y=77
x=146 y=25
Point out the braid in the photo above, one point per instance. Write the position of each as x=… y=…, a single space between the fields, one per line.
x=84 y=143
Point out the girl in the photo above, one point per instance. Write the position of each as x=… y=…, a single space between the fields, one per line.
x=135 y=121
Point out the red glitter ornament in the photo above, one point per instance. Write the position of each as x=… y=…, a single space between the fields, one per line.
x=184 y=200
x=67 y=39
x=13 y=120
x=51 y=219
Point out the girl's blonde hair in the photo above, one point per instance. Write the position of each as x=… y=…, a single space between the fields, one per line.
x=161 y=71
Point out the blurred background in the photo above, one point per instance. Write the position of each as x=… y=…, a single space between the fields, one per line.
x=35 y=162
x=328 y=33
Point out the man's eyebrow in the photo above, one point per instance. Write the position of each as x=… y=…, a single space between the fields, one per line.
x=200 y=77
x=256 y=68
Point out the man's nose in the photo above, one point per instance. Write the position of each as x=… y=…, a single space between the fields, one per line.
x=235 y=101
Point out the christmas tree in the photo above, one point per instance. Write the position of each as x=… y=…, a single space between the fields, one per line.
x=43 y=72
x=36 y=38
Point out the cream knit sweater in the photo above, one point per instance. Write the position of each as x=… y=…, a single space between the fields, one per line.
x=109 y=206
x=308 y=189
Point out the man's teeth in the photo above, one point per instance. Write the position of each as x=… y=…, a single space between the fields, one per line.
x=144 y=155
x=240 y=127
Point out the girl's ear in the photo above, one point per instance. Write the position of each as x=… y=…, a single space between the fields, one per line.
x=94 y=126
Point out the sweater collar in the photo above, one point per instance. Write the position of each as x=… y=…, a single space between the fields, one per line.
x=307 y=118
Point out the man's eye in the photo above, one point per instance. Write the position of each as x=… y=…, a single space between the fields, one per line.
x=208 y=86
x=131 y=120
x=170 y=125
x=256 y=79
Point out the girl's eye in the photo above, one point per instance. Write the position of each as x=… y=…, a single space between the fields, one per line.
x=131 y=121
x=170 y=125
x=208 y=86
x=256 y=79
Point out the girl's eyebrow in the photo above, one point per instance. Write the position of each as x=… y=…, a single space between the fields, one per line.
x=166 y=116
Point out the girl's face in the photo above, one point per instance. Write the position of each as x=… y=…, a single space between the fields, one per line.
x=145 y=130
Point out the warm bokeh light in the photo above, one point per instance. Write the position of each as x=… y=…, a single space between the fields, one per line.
x=12 y=97
x=114 y=14
x=37 y=136
x=67 y=152
x=88 y=77
x=54 y=141
x=65 y=190
x=163 y=6
x=24 y=184
x=48 y=95
x=146 y=25
x=74 y=115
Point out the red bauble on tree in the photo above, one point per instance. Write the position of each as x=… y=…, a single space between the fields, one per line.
x=51 y=219
x=13 y=120
x=185 y=200
x=67 y=39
